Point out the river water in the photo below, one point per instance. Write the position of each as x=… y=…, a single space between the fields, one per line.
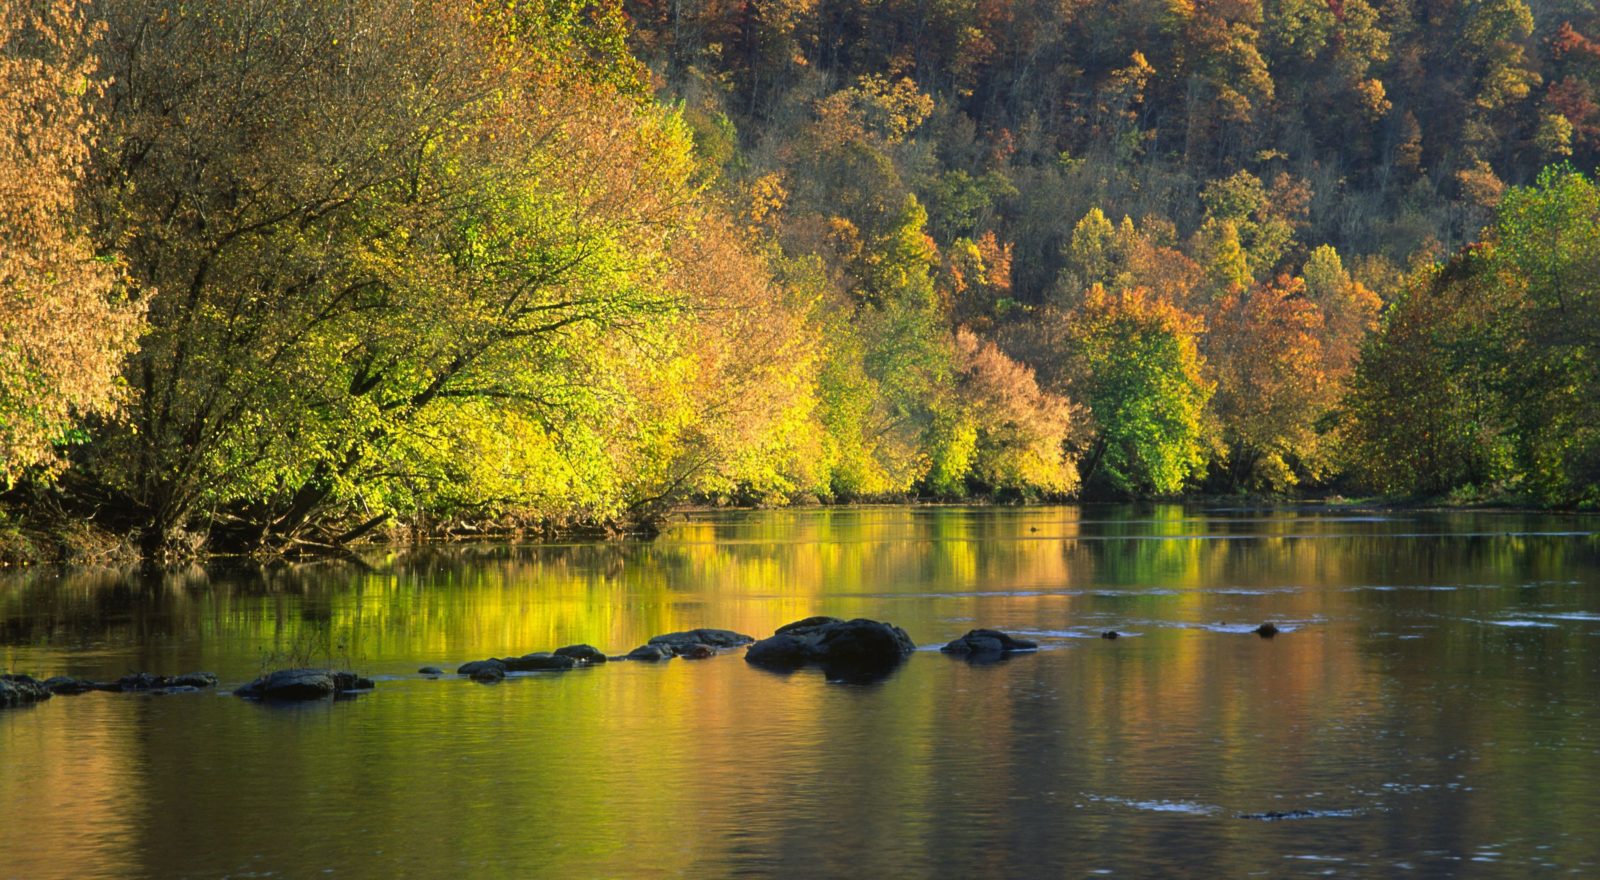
x=1432 y=706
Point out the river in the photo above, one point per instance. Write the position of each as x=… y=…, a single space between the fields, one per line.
x=1430 y=708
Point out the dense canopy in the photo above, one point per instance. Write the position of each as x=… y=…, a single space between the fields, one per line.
x=281 y=275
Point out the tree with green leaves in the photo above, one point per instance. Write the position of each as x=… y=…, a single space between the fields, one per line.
x=1138 y=371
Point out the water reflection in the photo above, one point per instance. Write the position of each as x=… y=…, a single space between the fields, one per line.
x=1403 y=705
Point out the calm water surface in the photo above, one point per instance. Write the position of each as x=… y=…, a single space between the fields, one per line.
x=1434 y=701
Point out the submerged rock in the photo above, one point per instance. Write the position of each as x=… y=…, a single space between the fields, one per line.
x=136 y=682
x=17 y=690
x=1266 y=630
x=303 y=684
x=582 y=653
x=1277 y=816
x=144 y=681
x=858 y=650
x=430 y=670
x=988 y=642
x=697 y=641
x=62 y=685
x=537 y=662
x=1111 y=634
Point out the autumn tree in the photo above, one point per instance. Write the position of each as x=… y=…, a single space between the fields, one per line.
x=379 y=240
x=64 y=324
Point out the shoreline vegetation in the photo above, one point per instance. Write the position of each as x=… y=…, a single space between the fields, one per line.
x=73 y=542
x=283 y=279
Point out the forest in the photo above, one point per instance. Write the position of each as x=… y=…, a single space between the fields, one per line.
x=280 y=277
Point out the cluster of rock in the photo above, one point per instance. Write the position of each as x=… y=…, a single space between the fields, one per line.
x=845 y=650
x=18 y=689
x=852 y=650
x=696 y=644
x=304 y=684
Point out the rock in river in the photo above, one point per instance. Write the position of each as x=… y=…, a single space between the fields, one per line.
x=988 y=642
x=63 y=685
x=16 y=690
x=857 y=649
x=1266 y=630
x=430 y=670
x=488 y=673
x=536 y=662
x=582 y=653
x=303 y=684
x=144 y=681
x=695 y=641
x=477 y=666
x=650 y=653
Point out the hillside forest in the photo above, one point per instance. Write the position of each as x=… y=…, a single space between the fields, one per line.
x=280 y=277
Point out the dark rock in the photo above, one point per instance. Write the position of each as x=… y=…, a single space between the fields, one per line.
x=303 y=684
x=697 y=652
x=144 y=681
x=488 y=673
x=988 y=641
x=62 y=685
x=651 y=653
x=1111 y=634
x=782 y=651
x=474 y=666
x=582 y=653
x=1276 y=816
x=430 y=670
x=16 y=690
x=196 y=680
x=846 y=649
x=1266 y=630
x=536 y=662
x=810 y=623
x=140 y=681
x=680 y=642
x=866 y=642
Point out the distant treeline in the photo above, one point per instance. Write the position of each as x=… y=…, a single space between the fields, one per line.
x=278 y=275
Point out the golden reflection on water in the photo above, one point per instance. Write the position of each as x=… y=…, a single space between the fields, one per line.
x=1389 y=698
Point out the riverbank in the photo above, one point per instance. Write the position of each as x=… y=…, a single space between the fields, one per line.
x=32 y=538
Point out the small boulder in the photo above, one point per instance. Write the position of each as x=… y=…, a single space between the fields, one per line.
x=196 y=680
x=856 y=650
x=474 y=666
x=139 y=681
x=62 y=685
x=651 y=653
x=144 y=681
x=303 y=684
x=697 y=652
x=782 y=651
x=430 y=670
x=1266 y=630
x=680 y=642
x=488 y=673
x=17 y=690
x=582 y=653
x=988 y=642
x=1111 y=634
x=537 y=662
